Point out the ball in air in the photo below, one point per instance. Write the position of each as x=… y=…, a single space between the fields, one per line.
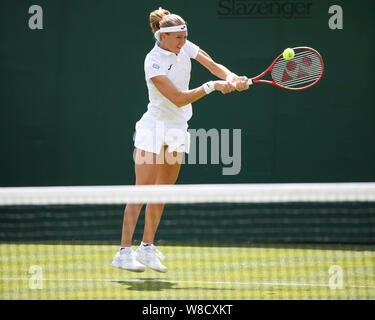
x=288 y=54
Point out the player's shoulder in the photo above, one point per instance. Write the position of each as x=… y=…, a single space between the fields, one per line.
x=191 y=49
x=153 y=55
x=188 y=45
x=154 y=61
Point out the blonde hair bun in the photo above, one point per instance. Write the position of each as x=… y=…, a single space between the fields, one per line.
x=163 y=18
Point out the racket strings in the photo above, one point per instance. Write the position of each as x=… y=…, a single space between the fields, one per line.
x=306 y=61
x=297 y=57
x=302 y=53
x=311 y=70
x=299 y=82
x=305 y=68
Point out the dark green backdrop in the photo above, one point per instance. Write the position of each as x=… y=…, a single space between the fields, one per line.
x=71 y=93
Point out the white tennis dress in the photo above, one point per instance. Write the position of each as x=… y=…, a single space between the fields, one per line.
x=164 y=123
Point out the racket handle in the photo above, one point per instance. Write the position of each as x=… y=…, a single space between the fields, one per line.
x=250 y=82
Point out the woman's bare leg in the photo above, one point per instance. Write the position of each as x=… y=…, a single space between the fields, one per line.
x=146 y=172
x=167 y=174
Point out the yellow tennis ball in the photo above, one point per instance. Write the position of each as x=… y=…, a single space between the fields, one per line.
x=288 y=54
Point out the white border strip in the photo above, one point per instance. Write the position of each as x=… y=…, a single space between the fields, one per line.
x=199 y=193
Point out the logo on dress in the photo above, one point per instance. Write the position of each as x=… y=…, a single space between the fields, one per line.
x=156 y=66
x=170 y=67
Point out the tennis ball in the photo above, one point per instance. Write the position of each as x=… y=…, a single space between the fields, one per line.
x=288 y=54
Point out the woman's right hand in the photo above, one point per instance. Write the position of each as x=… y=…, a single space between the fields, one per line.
x=224 y=86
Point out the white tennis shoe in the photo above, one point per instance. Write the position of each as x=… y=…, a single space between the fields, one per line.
x=150 y=257
x=124 y=259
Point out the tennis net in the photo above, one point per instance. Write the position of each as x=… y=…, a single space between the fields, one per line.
x=244 y=241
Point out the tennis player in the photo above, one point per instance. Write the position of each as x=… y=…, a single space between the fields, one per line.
x=161 y=134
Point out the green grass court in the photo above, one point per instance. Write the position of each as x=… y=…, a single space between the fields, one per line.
x=195 y=272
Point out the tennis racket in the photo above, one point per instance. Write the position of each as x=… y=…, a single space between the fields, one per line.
x=303 y=71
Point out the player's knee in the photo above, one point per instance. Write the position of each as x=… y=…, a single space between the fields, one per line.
x=167 y=178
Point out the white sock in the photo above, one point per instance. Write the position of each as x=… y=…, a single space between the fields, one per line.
x=144 y=244
x=125 y=249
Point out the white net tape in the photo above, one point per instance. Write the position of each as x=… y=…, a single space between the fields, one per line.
x=215 y=193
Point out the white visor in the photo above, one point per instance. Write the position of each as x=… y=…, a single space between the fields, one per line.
x=179 y=28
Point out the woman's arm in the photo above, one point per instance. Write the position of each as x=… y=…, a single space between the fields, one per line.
x=182 y=98
x=215 y=68
x=220 y=71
